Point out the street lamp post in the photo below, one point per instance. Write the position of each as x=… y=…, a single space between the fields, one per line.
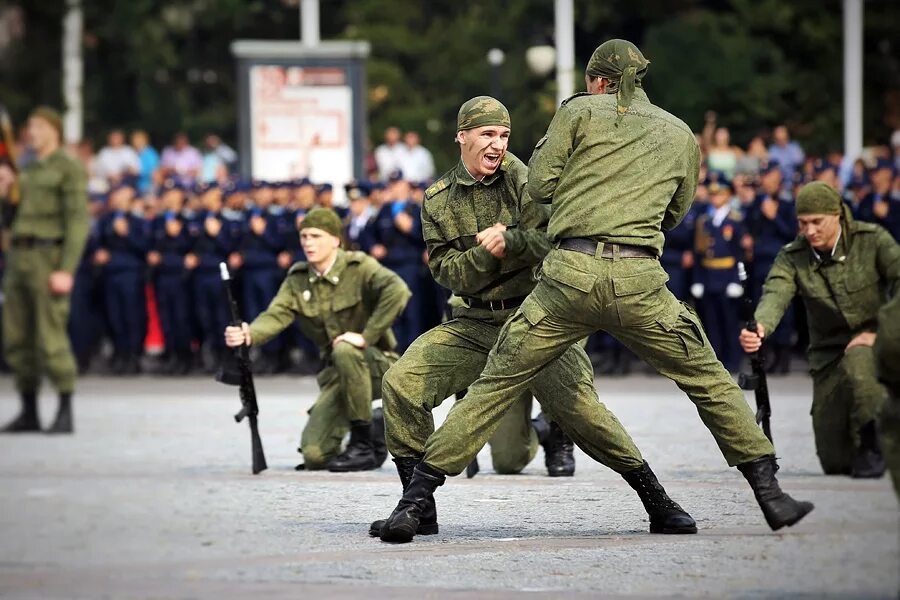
x=495 y=58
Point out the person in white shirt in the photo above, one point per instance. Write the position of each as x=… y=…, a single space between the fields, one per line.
x=389 y=154
x=117 y=161
x=416 y=162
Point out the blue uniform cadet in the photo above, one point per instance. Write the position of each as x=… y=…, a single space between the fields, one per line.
x=397 y=228
x=85 y=318
x=718 y=234
x=170 y=243
x=212 y=239
x=771 y=222
x=882 y=204
x=123 y=245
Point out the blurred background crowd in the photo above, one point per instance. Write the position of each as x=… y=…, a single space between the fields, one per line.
x=148 y=295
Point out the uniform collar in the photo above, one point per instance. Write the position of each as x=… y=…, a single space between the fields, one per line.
x=333 y=275
x=838 y=251
x=463 y=177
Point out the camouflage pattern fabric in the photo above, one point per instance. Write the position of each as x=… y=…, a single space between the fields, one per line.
x=887 y=354
x=53 y=207
x=481 y=111
x=623 y=64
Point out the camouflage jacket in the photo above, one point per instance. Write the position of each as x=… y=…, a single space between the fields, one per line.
x=619 y=184
x=54 y=205
x=357 y=294
x=457 y=207
x=842 y=294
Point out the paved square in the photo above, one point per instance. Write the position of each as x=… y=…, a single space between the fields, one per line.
x=153 y=498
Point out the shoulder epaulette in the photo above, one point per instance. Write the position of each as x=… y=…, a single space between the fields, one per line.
x=579 y=94
x=438 y=186
x=354 y=256
x=795 y=246
x=299 y=267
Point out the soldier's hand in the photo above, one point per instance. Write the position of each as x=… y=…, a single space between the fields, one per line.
x=61 y=283
x=154 y=258
x=769 y=208
x=120 y=226
x=752 y=341
x=404 y=222
x=237 y=336
x=479 y=237
x=734 y=290
x=880 y=208
x=213 y=226
x=494 y=242
x=284 y=260
x=378 y=251
x=354 y=339
x=866 y=338
x=191 y=261
x=7 y=179
x=687 y=259
x=101 y=256
x=697 y=290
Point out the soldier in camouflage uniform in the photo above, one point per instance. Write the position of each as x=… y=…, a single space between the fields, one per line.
x=843 y=270
x=49 y=233
x=887 y=355
x=345 y=302
x=617 y=170
x=485 y=235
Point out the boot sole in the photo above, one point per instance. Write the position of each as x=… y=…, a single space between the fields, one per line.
x=792 y=521
x=673 y=530
x=431 y=529
x=340 y=469
x=564 y=474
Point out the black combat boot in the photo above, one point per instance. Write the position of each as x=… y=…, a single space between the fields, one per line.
x=404 y=522
x=63 y=421
x=778 y=508
x=869 y=461
x=28 y=419
x=428 y=524
x=379 y=445
x=359 y=455
x=665 y=514
x=558 y=451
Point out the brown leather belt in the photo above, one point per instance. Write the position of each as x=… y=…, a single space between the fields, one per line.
x=589 y=246
x=30 y=241
x=505 y=304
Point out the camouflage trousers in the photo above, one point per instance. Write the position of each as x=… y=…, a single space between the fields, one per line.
x=35 y=336
x=451 y=356
x=846 y=396
x=347 y=386
x=578 y=295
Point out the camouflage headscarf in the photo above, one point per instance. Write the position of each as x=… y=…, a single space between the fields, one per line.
x=622 y=63
x=481 y=111
x=819 y=198
x=324 y=219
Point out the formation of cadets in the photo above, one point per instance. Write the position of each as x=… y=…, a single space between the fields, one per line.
x=151 y=263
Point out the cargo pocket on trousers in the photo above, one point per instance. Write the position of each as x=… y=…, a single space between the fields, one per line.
x=637 y=296
x=529 y=314
x=686 y=325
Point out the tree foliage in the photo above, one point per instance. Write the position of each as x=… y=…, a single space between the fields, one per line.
x=165 y=65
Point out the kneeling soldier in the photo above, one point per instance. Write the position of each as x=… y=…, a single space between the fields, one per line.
x=346 y=303
x=843 y=270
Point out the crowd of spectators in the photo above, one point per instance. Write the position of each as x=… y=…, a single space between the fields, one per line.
x=148 y=296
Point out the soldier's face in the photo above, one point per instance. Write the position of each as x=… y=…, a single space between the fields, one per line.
x=483 y=148
x=318 y=245
x=41 y=133
x=821 y=231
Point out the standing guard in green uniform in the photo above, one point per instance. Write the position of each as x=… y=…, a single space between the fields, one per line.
x=887 y=355
x=617 y=170
x=844 y=270
x=485 y=235
x=48 y=234
x=345 y=302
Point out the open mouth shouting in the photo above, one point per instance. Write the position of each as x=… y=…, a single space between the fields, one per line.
x=491 y=161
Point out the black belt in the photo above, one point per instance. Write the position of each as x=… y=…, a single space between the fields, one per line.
x=589 y=246
x=504 y=304
x=29 y=241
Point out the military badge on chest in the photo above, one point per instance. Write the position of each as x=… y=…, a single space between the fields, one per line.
x=306 y=295
x=728 y=232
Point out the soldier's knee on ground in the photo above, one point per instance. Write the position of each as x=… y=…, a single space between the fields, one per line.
x=507 y=464
x=313 y=457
